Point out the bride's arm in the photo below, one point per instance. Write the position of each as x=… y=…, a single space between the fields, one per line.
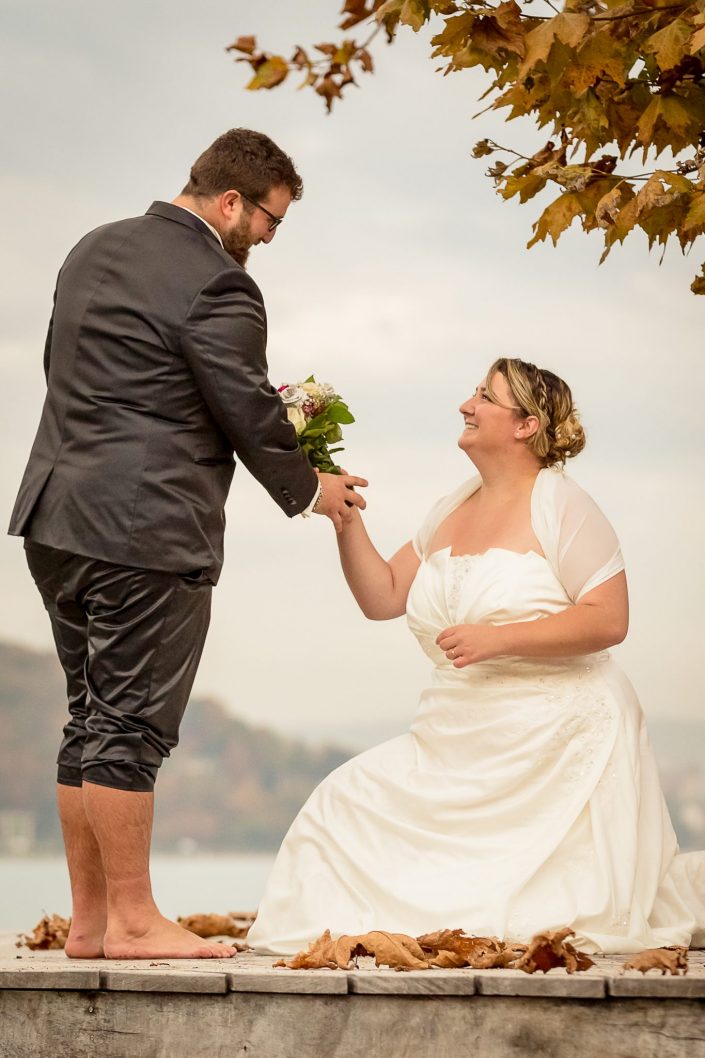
x=380 y=587
x=598 y=620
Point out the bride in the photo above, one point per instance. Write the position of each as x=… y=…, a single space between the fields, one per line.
x=525 y=795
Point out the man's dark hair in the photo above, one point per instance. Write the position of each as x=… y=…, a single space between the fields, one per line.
x=244 y=161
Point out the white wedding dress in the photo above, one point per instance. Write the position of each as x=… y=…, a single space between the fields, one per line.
x=525 y=795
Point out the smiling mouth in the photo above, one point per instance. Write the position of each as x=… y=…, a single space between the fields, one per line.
x=470 y=426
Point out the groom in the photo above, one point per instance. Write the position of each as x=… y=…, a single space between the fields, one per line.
x=156 y=373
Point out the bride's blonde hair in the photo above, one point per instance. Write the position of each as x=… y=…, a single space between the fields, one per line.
x=540 y=393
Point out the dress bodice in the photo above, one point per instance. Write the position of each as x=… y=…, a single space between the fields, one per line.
x=495 y=587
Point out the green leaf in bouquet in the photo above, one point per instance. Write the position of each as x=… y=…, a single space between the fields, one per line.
x=316 y=431
x=339 y=412
x=333 y=433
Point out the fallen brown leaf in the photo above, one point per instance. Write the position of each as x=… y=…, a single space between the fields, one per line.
x=550 y=949
x=673 y=960
x=445 y=949
x=395 y=950
x=48 y=935
x=212 y=925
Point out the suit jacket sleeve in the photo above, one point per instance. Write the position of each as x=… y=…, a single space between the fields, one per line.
x=47 y=344
x=224 y=341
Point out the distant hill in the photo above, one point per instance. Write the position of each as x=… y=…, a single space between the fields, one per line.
x=228 y=786
x=231 y=785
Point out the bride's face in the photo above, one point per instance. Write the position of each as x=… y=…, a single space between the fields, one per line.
x=489 y=425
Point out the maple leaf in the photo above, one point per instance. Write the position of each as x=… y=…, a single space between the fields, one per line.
x=49 y=934
x=556 y=217
x=673 y=960
x=570 y=28
x=413 y=13
x=247 y=45
x=600 y=56
x=673 y=120
x=356 y=11
x=270 y=73
x=550 y=949
x=211 y=925
x=330 y=90
x=395 y=950
x=695 y=217
x=697 y=41
x=698 y=284
x=482 y=148
x=668 y=44
x=502 y=31
x=608 y=208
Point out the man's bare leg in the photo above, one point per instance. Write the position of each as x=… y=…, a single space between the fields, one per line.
x=90 y=913
x=122 y=824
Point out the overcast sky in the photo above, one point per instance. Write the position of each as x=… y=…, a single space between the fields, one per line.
x=399 y=277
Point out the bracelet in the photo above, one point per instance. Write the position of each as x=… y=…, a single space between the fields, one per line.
x=314 y=509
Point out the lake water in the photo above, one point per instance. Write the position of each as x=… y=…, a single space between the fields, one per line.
x=33 y=886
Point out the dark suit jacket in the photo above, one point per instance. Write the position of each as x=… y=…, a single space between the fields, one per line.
x=156 y=374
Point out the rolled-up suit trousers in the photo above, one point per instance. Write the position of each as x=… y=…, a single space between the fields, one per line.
x=129 y=641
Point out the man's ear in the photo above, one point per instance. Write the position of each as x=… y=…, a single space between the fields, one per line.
x=230 y=203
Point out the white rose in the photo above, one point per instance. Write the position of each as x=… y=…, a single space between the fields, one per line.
x=293 y=395
x=296 y=418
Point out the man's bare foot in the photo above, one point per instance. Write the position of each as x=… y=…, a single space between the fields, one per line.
x=85 y=939
x=84 y=947
x=162 y=939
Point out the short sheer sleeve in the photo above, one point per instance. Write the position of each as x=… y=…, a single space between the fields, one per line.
x=578 y=541
x=421 y=543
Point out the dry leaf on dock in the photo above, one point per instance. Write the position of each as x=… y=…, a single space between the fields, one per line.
x=673 y=960
x=395 y=950
x=551 y=949
x=48 y=935
x=212 y=925
x=445 y=949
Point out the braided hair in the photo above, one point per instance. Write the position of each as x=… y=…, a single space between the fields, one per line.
x=538 y=392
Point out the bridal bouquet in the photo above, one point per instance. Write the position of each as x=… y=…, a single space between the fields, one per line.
x=316 y=412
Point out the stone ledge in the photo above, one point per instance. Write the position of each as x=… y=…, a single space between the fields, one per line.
x=172 y=981
x=299 y=982
x=412 y=982
x=22 y=970
x=653 y=987
x=550 y=985
x=66 y=978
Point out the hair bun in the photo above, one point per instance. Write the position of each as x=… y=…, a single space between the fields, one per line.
x=569 y=439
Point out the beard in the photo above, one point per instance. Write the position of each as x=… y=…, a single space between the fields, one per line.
x=238 y=240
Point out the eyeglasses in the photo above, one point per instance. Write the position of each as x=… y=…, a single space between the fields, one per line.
x=274 y=221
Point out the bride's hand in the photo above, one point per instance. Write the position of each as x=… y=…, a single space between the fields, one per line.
x=338 y=497
x=468 y=644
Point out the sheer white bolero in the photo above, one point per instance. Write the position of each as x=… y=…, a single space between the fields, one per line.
x=577 y=540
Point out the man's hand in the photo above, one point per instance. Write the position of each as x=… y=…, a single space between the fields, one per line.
x=338 y=498
x=468 y=644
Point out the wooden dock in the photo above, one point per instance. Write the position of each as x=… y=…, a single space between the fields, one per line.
x=51 y=1007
